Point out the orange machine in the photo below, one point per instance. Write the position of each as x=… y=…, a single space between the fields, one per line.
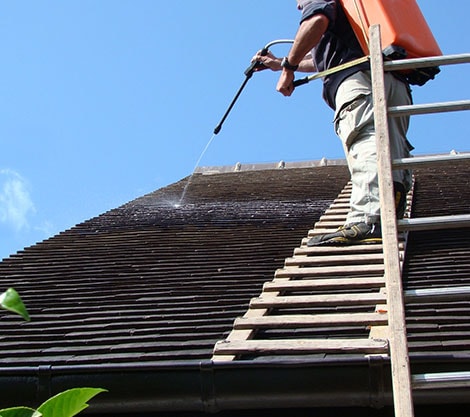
x=404 y=31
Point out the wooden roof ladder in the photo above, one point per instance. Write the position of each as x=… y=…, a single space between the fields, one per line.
x=352 y=294
x=402 y=381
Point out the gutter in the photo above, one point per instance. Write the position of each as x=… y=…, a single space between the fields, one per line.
x=217 y=386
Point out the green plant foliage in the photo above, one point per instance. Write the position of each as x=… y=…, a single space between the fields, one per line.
x=10 y=300
x=66 y=404
x=19 y=412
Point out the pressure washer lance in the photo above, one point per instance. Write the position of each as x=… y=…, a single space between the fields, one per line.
x=248 y=74
x=257 y=64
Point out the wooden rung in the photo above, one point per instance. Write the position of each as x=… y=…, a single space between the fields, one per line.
x=318 y=300
x=379 y=332
x=296 y=346
x=344 y=203
x=332 y=217
x=327 y=224
x=441 y=380
x=324 y=284
x=342 y=270
x=340 y=206
x=303 y=260
x=337 y=250
x=437 y=294
x=311 y=320
x=320 y=230
x=337 y=212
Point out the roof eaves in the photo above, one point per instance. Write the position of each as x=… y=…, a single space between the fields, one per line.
x=212 y=387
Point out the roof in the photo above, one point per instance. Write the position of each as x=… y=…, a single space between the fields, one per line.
x=143 y=292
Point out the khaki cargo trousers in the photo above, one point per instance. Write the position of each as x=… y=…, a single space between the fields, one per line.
x=354 y=124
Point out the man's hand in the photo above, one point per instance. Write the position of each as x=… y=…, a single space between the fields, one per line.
x=285 y=85
x=268 y=61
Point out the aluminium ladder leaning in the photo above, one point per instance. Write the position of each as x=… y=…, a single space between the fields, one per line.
x=402 y=381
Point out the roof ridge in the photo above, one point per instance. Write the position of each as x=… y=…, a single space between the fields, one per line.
x=261 y=166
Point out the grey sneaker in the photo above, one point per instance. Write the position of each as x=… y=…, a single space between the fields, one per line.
x=353 y=234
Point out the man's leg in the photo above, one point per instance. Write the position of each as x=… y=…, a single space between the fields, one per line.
x=354 y=124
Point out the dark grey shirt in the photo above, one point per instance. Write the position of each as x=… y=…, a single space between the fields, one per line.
x=337 y=46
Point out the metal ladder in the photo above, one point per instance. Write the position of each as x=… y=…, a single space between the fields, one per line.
x=402 y=381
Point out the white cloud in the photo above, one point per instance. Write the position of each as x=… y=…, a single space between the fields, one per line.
x=46 y=228
x=15 y=200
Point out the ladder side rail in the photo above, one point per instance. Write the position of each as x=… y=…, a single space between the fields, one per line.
x=401 y=377
x=413 y=63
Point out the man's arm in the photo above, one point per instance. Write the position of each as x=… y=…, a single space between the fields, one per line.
x=307 y=37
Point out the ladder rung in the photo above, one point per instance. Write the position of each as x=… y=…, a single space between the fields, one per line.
x=426 y=62
x=420 y=161
x=296 y=346
x=336 y=250
x=396 y=111
x=304 y=260
x=434 y=223
x=326 y=224
x=437 y=293
x=441 y=380
x=324 y=284
x=311 y=320
x=318 y=300
x=364 y=270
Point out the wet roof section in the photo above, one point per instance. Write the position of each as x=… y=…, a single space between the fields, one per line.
x=149 y=286
x=152 y=282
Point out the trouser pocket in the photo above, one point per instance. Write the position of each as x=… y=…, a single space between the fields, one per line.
x=352 y=117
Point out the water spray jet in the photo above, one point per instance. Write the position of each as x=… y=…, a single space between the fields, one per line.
x=248 y=74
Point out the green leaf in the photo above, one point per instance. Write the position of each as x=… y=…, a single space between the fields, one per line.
x=68 y=403
x=19 y=412
x=10 y=300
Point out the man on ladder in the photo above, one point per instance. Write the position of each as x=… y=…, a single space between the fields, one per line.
x=326 y=40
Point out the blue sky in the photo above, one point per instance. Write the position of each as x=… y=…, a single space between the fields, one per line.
x=102 y=101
